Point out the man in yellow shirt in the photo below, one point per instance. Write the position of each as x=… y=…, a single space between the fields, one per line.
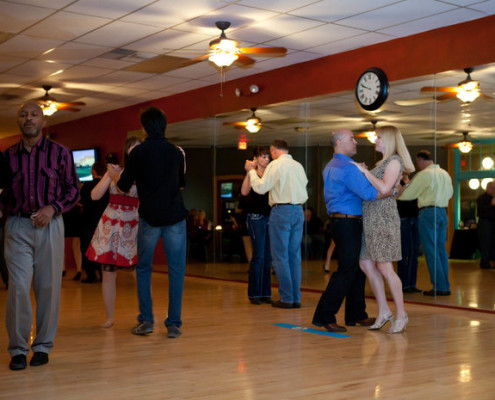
x=285 y=180
x=432 y=186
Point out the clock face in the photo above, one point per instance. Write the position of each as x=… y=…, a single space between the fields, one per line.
x=372 y=89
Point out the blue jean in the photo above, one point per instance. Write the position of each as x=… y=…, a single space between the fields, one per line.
x=174 y=244
x=286 y=229
x=259 y=284
x=433 y=236
x=407 y=268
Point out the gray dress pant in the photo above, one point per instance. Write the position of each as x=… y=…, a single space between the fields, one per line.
x=33 y=255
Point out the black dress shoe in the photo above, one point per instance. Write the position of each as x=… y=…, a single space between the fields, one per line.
x=433 y=292
x=256 y=301
x=267 y=300
x=296 y=305
x=18 y=362
x=362 y=322
x=334 y=328
x=39 y=358
x=281 y=304
x=416 y=290
x=77 y=276
x=408 y=290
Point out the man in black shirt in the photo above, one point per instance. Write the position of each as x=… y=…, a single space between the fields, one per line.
x=157 y=167
x=486 y=224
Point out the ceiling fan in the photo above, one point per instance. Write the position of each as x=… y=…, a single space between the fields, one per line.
x=252 y=124
x=368 y=133
x=50 y=106
x=467 y=91
x=224 y=51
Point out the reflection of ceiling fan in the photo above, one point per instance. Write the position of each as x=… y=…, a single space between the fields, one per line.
x=465 y=145
x=225 y=51
x=467 y=91
x=368 y=133
x=252 y=124
x=50 y=106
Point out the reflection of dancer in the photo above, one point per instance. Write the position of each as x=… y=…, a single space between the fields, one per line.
x=114 y=241
x=258 y=214
x=381 y=227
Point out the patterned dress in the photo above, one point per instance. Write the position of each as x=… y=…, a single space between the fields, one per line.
x=115 y=239
x=381 y=223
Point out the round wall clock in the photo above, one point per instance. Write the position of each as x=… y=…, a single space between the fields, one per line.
x=372 y=89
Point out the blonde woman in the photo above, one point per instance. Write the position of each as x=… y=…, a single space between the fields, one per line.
x=381 y=227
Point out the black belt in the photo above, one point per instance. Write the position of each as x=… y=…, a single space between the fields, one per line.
x=339 y=215
x=422 y=208
x=23 y=214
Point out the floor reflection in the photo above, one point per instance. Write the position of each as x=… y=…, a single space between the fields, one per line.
x=471 y=286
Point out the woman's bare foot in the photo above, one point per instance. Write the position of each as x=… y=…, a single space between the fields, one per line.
x=107 y=324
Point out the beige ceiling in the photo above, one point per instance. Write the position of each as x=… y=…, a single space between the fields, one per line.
x=93 y=42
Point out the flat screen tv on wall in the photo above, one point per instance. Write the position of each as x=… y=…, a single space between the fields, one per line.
x=84 y=160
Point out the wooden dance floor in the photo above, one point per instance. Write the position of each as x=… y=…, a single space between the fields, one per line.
x=231 y=349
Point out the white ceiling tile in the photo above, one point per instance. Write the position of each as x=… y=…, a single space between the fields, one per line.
x=10 y=81
x=238 y=16
x=189 y=85
x=83 y=74
x=291 y=58
x=121 y=77
x=461 y=3
x=166 y=13
x=351 y=43
x=16 y=17
x=236 y=73
x=157 y=82
x=74 y=53
x=107 y=8
x=277 y=5
x=334 y=10
x=118 y=34
x=7 y=62
x=487 y=7
x=425 y=24
x=395 y=14
x=167 y=40
x=315 y=36
x=55 y=4
x=65 y=26
x=272 y=28
x=203 y=70
x=101 y=62
x=38 y=69
x=27 y=47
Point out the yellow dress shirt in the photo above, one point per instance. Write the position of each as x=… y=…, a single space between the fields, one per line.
x=431 y=186
x=284 y=178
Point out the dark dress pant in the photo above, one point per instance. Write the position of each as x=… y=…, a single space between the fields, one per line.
x=348 y=281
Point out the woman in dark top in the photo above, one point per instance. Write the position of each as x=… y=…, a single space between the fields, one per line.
x=258 y=212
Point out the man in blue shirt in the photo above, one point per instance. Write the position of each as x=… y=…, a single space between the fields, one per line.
x=345 y=188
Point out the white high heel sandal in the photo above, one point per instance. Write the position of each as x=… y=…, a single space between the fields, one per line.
x=380 y=321
x=399 y=325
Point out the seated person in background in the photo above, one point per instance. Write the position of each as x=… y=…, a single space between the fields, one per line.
x=313 y=241
x=199 y=233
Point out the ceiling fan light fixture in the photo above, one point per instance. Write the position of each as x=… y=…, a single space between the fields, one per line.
x=49 y=108
x=223 y=58
x=467 y=96
x=465 y=146
x=253 y=128
x=371 y=136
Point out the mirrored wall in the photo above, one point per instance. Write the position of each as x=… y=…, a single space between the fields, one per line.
x=217 y=148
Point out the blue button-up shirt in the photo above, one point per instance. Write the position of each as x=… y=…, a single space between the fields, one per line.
x=345 y=187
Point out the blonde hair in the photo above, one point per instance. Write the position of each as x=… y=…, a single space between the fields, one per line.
x=393 y=143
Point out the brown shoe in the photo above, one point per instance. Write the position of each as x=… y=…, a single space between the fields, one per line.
x=334 y=328
x=362 y=322
x=281 y=304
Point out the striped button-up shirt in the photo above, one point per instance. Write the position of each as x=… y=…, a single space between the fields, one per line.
x=44 y=176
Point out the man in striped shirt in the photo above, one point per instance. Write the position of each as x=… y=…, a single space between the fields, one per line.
x=44 y=185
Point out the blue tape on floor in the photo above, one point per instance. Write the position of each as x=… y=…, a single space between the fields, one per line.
x=315 y=331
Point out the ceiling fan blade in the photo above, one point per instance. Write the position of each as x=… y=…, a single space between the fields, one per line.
x=264 y=51
x=486 y=97
x=439 y=89
x=241 y=124
x=71 y=103
x=415 y=102
x=67 y=108
x=160 y=64
x=447 y=96
x=195 y=60
x=244 y=61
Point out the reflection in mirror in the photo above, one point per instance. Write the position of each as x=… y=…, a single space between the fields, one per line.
x=216 y=168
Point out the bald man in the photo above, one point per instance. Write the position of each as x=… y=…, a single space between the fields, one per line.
x=44 y=186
